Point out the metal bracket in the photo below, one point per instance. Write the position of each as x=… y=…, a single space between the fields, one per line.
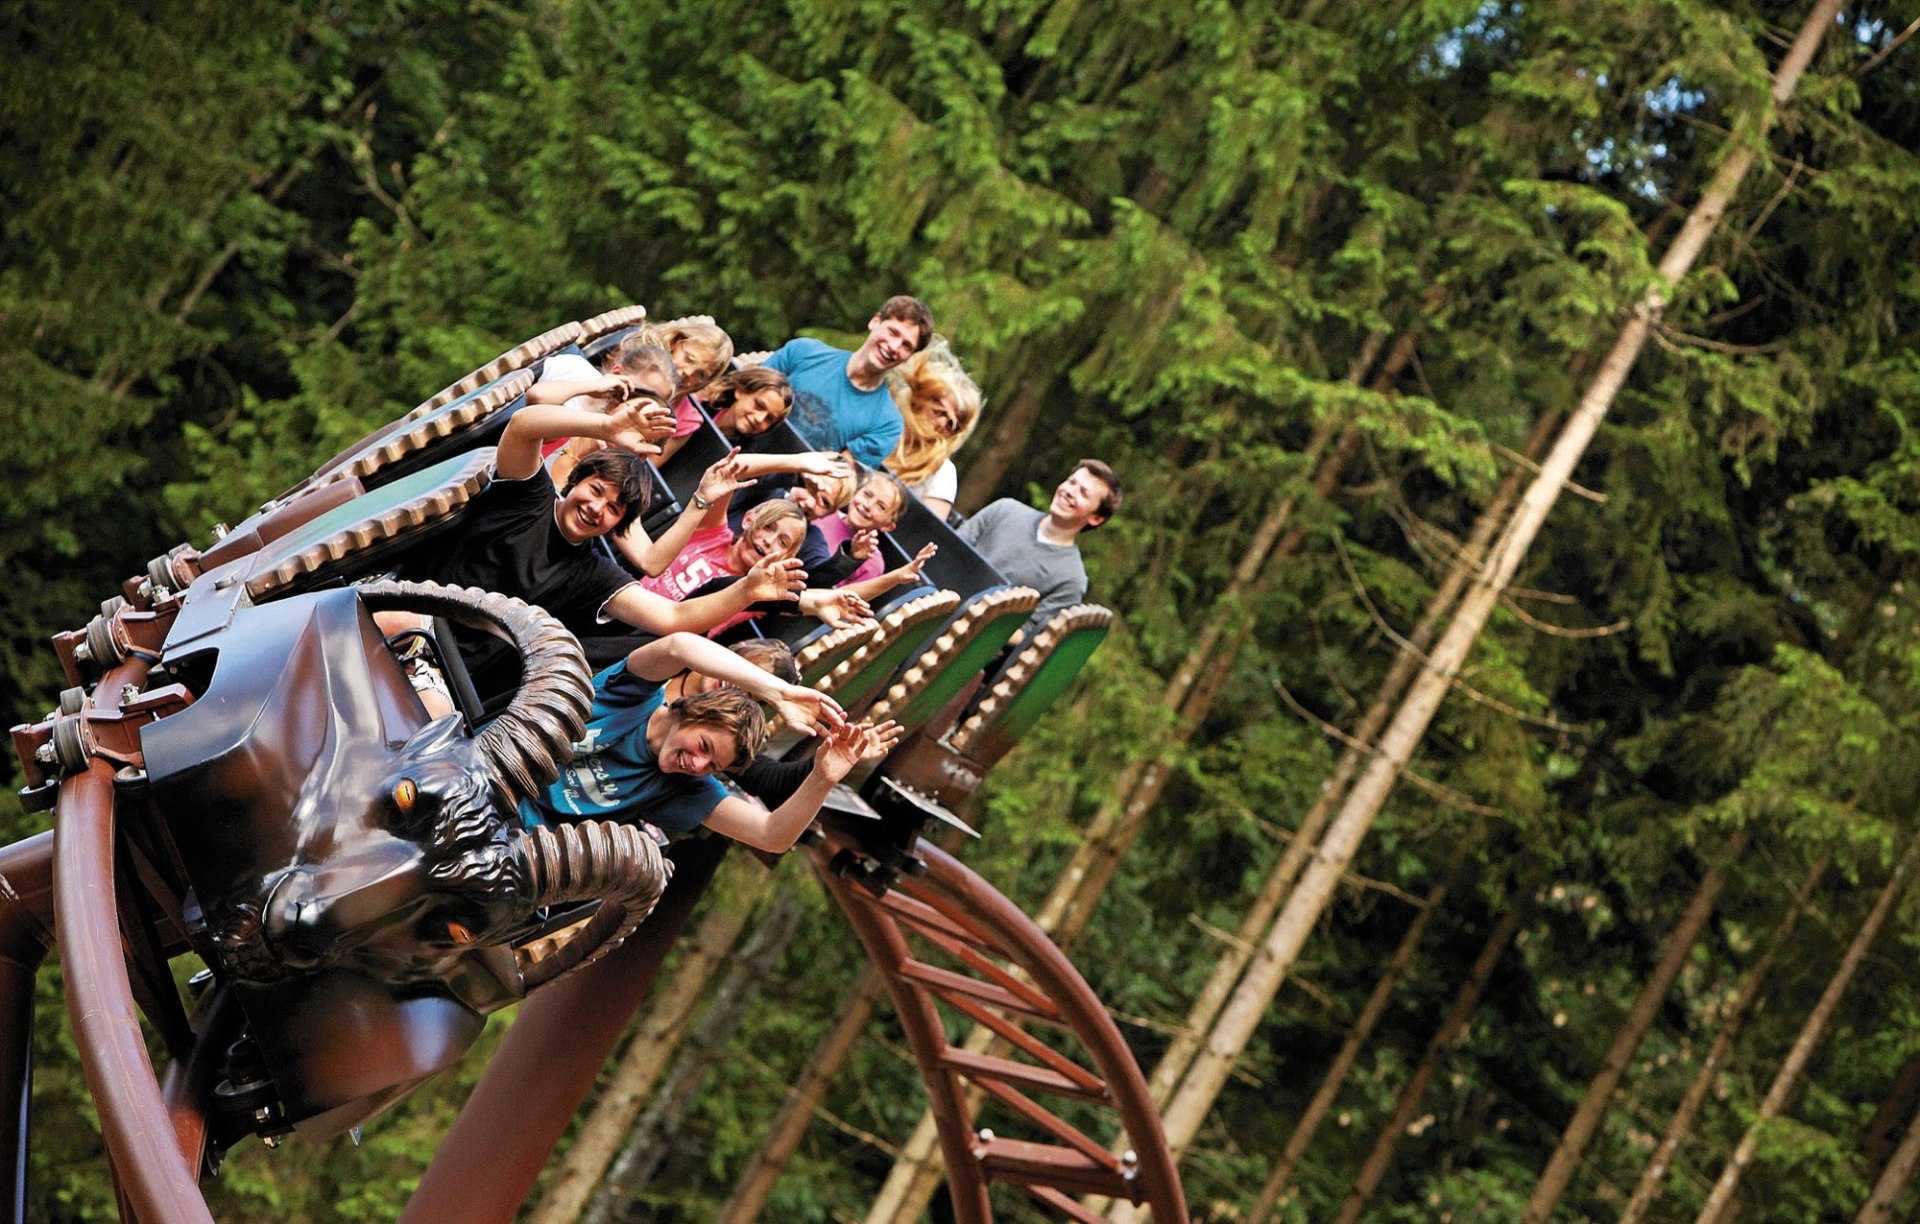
x=65 y=743
x=120 y=631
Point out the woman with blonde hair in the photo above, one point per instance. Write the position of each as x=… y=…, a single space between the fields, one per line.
x=940 y=404
x=701 y=351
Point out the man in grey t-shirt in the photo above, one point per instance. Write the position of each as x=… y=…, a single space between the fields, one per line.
x=1041 y=549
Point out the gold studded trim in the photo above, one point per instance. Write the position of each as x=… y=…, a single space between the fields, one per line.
x=517 y=358
x=984 y=610
x=830 y=644
x=379 y=527
x=612 y=321
x=424 y=431
x=915 y=611
x=1018 y=673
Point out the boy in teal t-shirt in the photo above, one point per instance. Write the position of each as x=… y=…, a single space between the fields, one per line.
x=840 y=399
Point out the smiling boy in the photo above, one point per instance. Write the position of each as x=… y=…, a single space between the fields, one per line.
x=518 y=538
x=1040 y=549
x=840 y=399
x=649 y=760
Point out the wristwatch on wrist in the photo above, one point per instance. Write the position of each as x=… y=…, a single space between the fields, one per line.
x=701 y=503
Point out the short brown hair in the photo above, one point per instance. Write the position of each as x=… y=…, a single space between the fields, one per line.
x=909 y=310
x=622 y=470
x=1104 y=474
x=731 y=710
x=747 y=380
x=770 y=655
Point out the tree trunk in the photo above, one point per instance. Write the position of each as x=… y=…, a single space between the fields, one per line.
x=1012 y=424
x=1357 y=1038
x=913 y=1180
x=647 y=1145
x=1233 y=960
x=1890 y=1121
x=1380 y=1159
x=1787 y=1078
x=1893 y=1180
x=1110 y=833
x=1207 y=664
x=917 y=1172
x=1593 y=1105
x=1189 y=1106
x=750 y=1193
x=650 y=1051
x=1653 y=1177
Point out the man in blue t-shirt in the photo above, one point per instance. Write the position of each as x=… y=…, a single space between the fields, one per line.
x=840 y=399
x=647 y=760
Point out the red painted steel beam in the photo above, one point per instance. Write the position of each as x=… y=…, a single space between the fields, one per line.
x=188 y=1087
x=951 y=887
x=158 y=1184
x=926 y=1036
x=26 y=932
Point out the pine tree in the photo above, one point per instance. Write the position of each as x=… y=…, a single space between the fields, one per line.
x=1290 y=928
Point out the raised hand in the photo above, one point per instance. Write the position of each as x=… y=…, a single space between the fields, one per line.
x=809 y=711
x=848 y=745
x=776 y=580
x=723 y=478
x=863 y=543
x=837 y=607
x=613 y=388
x=831 y=464
x=910 y=572
x=878 y=739
x=656 y=419
x=629 y=429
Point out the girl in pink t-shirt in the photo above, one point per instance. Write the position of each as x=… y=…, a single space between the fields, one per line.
x=771 y=531
x=875 y=507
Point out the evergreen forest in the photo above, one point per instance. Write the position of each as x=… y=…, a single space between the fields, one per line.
x=1496 y=800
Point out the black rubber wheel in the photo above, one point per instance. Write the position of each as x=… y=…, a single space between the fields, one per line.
x=160 y=573
x=105 y=651
x=69 y=745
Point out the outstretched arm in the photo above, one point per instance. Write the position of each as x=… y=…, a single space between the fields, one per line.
x=770 y=580
x=775 y=831
x=839 y=606
x=880 y=584
x=626 y=427
x=804 y=709
x=832 y=464
x=706 y=508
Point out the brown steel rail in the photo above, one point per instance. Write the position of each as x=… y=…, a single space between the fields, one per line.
x=960 y=914
x=26 y=921
x=158 y=1184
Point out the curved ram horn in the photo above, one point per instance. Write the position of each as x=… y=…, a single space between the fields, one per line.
x=526 y=745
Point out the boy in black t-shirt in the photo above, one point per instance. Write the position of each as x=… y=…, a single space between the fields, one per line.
x=518 y=538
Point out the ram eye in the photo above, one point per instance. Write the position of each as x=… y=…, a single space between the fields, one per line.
x=405 y=794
